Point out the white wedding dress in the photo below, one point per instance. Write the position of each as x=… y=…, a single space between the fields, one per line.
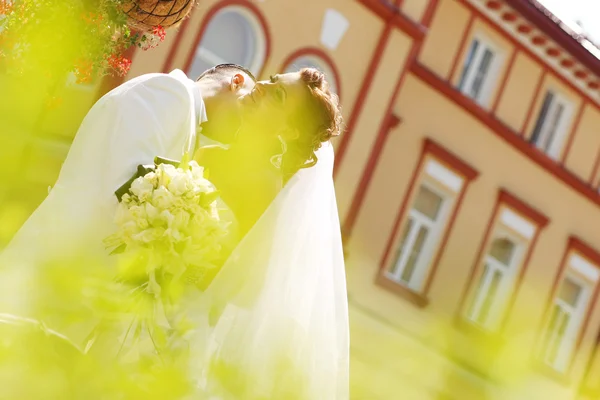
x=274 y=322
x=277 y=311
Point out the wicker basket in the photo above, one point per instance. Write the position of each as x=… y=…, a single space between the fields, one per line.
x=146 y=14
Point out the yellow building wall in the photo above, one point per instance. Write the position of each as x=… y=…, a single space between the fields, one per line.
x=414 y=8
x=586 y=142
x=444 y=37
x=500 y=166
x=369 y=122
x=519 y=92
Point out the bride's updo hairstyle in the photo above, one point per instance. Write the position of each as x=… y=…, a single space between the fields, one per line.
x=315 y=124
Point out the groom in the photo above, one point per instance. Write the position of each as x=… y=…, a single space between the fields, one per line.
x=148 y=116
x=165 y=112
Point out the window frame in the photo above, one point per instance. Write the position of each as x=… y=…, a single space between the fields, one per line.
x=256 y=21
x=555 y=144
x=430 y=151
x=576 y=313
x=468 y=74
x=509 y=278
x=435 y=230
x=584 y=254
x=324 y=59
x=536 y=222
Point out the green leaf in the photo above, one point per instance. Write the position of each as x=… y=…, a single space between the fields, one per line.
x=207 y=199
x=119 y=249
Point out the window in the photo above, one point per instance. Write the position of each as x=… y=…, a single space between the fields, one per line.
x=479 y=70
x=551 y=124
x=567 y=312
x=233 y=35
x=424 y=225
x=499 y=269
x=420 y=232
x=500 y=265
x=314 y=61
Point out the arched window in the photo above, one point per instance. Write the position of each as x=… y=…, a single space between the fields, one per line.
x=233 y=35
x=308 y=60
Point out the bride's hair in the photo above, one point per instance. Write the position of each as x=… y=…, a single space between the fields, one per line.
x=317 y=123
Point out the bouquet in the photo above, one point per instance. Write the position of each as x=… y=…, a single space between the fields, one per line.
x=168 y=245
x=169 y=229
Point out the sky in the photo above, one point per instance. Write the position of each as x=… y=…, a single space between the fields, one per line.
x=586 y=11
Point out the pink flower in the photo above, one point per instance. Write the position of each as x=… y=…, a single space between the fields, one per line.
x=159 y=31
x=119 y=63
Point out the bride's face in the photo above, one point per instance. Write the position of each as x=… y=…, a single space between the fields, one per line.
x=271 y=103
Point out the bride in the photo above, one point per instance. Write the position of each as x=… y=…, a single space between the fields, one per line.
x=273 y=323
x=278 y=306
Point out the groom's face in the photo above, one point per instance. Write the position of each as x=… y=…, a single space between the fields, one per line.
x=224 y=110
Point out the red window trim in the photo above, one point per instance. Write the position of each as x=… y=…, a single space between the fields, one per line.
x=505 y=198
x=394 y=18
x=504 y=81
x=578 y=246
x=458 y=56
x=506 y=133
x=533 y=105
x=434 y=150
x=574 y=128
x=397 y=18
x=363 y=186
x=322 y=55
x=251 y=7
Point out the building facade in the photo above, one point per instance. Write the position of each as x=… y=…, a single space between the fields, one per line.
x=467 y=182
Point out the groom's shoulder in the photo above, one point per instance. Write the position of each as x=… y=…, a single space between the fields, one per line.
x=151 y=85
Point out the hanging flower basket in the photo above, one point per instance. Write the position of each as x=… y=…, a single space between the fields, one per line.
x=145 y=15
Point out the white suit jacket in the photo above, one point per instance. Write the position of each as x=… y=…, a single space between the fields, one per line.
x=151 y=115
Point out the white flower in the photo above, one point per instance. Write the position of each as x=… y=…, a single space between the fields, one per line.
x=148 y=235
x=196 y=170
x=173 y=234
x=152 y=178
x=162 y=198
x=167 y=217
x=181 y=219
x=142 y=188
x=138 y=212
x=151 y=211
x=165 y=173
x=180 y=184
